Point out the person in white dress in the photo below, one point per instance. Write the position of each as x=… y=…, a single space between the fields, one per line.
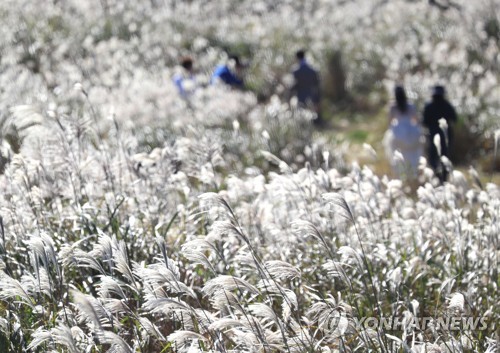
x=403 y=139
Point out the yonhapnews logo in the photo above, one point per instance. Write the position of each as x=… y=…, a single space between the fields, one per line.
x=398 y=323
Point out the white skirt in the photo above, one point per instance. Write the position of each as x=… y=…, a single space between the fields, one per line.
x=407 y=139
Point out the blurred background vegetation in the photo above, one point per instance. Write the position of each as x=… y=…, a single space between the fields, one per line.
x=362 y=49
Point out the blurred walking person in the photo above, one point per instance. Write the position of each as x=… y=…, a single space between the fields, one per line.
x=404 y=136
x=230 y=73
x=440 y=132
x=306 y=85
x=184 y=79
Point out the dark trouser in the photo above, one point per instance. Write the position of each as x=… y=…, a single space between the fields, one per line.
x=312 y=103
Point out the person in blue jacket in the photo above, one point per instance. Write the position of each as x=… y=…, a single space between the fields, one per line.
x=185 y=80
x=230 y=73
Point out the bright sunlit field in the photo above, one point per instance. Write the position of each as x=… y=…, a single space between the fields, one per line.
x=134 y=219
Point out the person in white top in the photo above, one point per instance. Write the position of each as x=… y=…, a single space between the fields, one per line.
x=404 y=136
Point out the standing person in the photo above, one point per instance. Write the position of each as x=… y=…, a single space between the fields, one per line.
x=230 y=73
x=439 y=108
x=184 y=80
x=306 y=85
x=404 y=135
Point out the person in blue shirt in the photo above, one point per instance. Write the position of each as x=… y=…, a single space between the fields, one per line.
x=230 y=73
x=185 y=80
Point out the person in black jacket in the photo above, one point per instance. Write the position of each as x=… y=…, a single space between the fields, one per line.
x=306 y=85
x=436 y=109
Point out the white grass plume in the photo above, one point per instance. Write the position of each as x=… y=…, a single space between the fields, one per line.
x=62 y=335
x=157 y=276
x=339 y=204
x=199 y=258
x=227 y=283
x=167 y=262
x=370 y=150
x=109 y=286
x=42 y=247
x=182 y=337
x=195 y=250
x=118 y=344
x=39 y=337
x=245 y=259
x=306 y=228
x=92 y=311
x=228 y=323
x=284 y=168
x=456 y=302
x=11 y=288
x=116 y=306
x=496 y=137
x=443 y=125
x=151 y=329
x=264 y=311
x=120 y=258
x=38 y=284
x=104 y=250
x=398 y=157
x=281 y=269
x=83 y=259
x=348 y=252
x=246 y=340
x=25 y=116
x=475 y=176
x=167 y=306
x=323 y=307
x=66 y=252
x=210 y=199
x=272 y=288
x=447 y=163
x=436 y=140
x=274 y=340
x=222 y=299
x=336 y=269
